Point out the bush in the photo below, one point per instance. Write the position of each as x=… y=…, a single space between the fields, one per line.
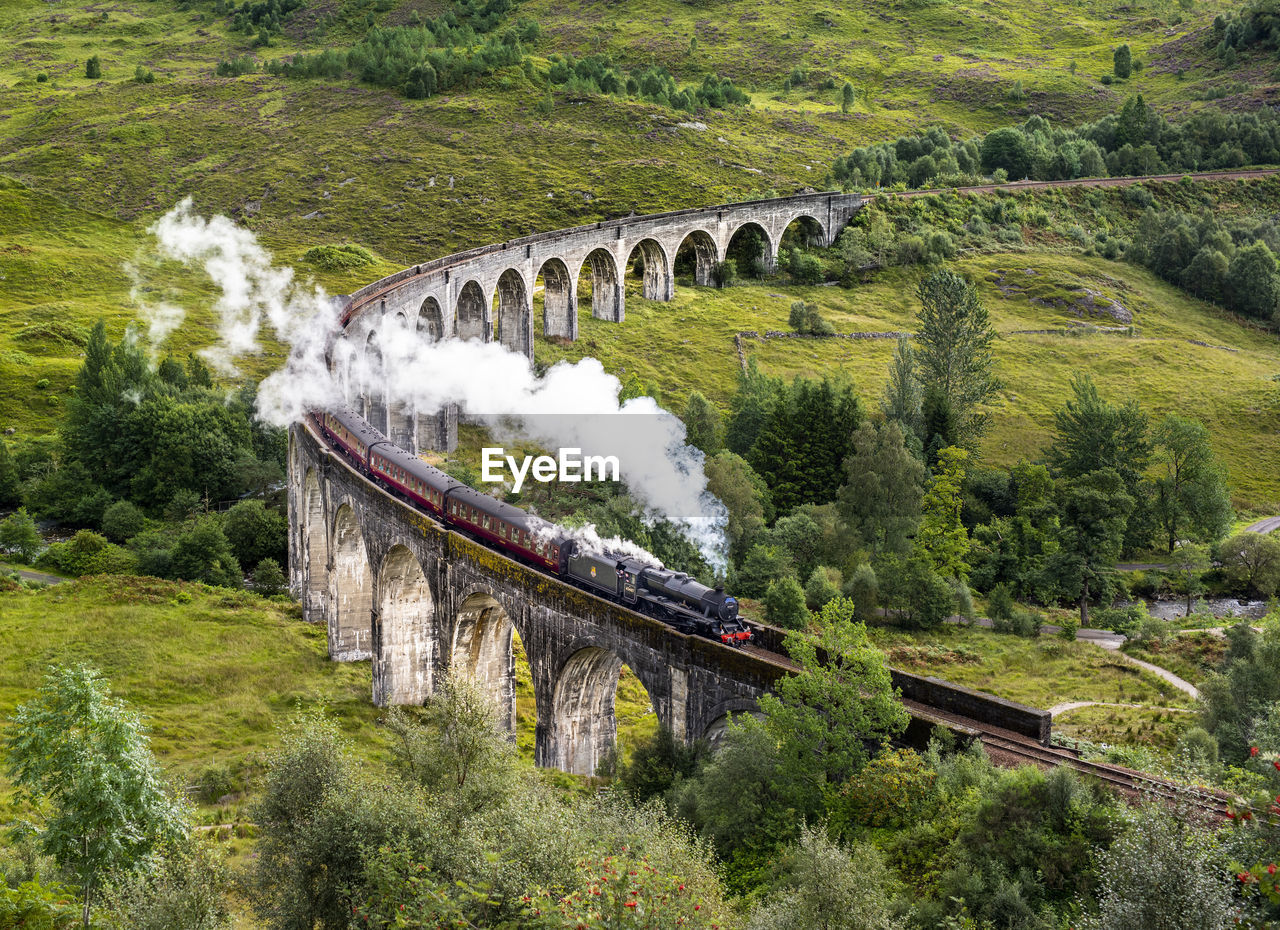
x=93 y=68
x=1150 y=631
x=806 y=319
x=784 y=604
x=338 y=257
x=1068 y=627
x=268 y=579
x=863 y=589
x=235 y=67
x=1122 y=620
x=1000 y=602
x=823 y=585
x=88 y=553
x=122 y=521
x=19 y=536
x=142 y=76
x=1199 y=747
x=1020 y=622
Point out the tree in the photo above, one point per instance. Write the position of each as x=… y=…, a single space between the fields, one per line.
x=880 y=500
x=784 y=604
x=122 y=521
x=1162 y=873
x=202 y=553
x=943 y=540
x=1252 y=560
x=19 y=536
x=863 y=589
x=10 y=481
x=825 y=886
x=846 y=97
x=1006 y=149
x=1093 y=434
x=799 y=536
x=763 y=565
x=954 y=347
x=1192 y=497
x=917 y=595
x=1095 y=510
x=902 y=397
x=86 y=756
x=755 y=398
x=256 y=533
x=657 y=763
x=93 y=68
x=824 y=716
x=1122 y=62
x=702 y=424
x=744 y=494
x=183 y=886
x=1190 y=562
x=268 y=578
x=1253 y=284
x=821 y=587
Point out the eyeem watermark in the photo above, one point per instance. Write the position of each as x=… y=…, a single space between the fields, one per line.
x=570 y=465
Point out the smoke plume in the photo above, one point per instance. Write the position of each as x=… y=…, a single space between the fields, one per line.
x=571 y=406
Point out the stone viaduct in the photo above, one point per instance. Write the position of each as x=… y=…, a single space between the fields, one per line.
x=393 y=586
x=488 y=293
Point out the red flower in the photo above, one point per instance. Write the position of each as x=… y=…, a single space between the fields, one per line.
x=1231 y=815
x=1243 y=876
x=1277 y=765
x=1271 y=869
x=697 y=907
x=681 y=888
x=1253 y=750
x=630 y=904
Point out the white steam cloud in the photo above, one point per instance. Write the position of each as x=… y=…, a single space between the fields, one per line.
x=571 y=406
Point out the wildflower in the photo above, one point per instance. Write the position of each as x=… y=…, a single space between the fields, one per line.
x=1253 y=750
x=630 y=904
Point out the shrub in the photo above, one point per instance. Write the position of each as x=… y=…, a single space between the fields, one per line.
x=122 y=521
x=93 y=68
x=41 y=77
x=19 y=536
x=1020 y=622
x=88 y=553
x=863 y=589
x=1122 y=620
x=337 y=257
x=805 y=318
x=823 y=585
x=1150 y=631
x=268 y=579
x=784 y=604
x=142 y=76
x=1199 y=747
x=1000 y=602
x=1068 y=627
x=235 y=67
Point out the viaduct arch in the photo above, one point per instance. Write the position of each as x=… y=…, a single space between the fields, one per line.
x=394 y=587
x=488 y=293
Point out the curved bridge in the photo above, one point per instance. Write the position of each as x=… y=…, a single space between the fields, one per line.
x=488 y=293
x=393 y=586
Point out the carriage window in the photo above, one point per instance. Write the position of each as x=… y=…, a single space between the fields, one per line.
x=486 y=521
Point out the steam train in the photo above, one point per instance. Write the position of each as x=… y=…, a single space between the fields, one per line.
x=672 y=597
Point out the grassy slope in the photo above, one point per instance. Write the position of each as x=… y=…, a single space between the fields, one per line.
x=688 y=344
x=215 y=676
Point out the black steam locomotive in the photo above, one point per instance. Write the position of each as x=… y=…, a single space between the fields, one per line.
x=673 y=597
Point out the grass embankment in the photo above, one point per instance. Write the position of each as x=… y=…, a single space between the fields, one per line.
x=1039 y=672
x=216 y=672
x=1191 y=656
x=1154 y=728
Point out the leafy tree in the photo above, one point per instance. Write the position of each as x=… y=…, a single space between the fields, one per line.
x=1095 y=510
x=863 y=589
x=902 y=398
x=804 y=317
x=744 y=494
x=1122 y=62
x=880 y=501
x=657 y=763
x=750 y=407
x=821 y=587
x=1190 y=562
x=824 y=885
x=84 y=758
x=202 y=553
x=784 y=604
x=1006 y=149
x=256 y=533
x=1093 y=434
x=839 y=701
x=93 y=68
x=763 y=565
x=702 y=424
x=846 y=97
x=10 y=481
x=1192 y=498
x=88 y=553
x=122 y=521
x=19 y=536
x=943 y=541
x=953 y=346
x=1253 y=283
x=268 y=578
x=1162 y=873
x=917 y=595
x=1252 y=560
x=798 y=535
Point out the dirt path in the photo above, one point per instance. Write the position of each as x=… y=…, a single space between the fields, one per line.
x=1269 y=525
x=1076 y=705
x=27 y=575
x=1112 y=643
